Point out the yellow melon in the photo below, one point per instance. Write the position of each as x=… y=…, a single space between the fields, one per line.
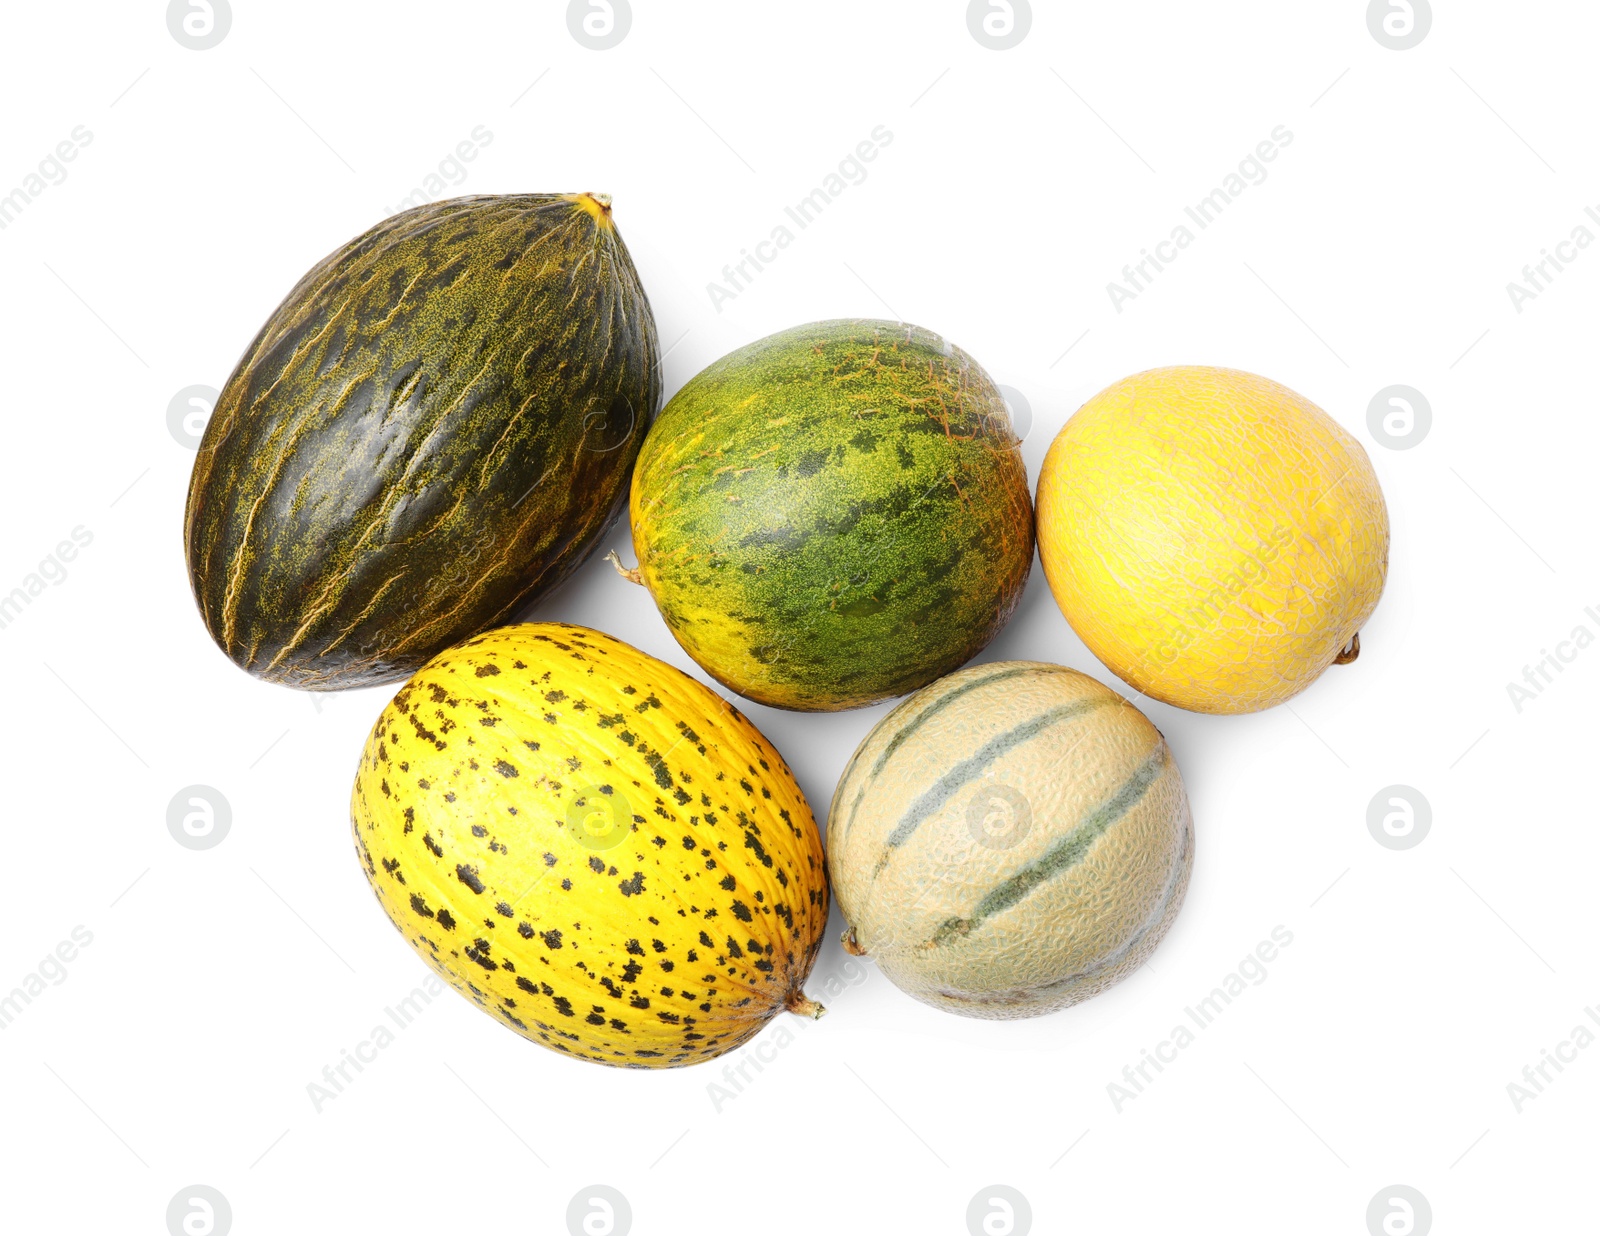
x=592 y=847
x=1010 y=840
x=1216 y=539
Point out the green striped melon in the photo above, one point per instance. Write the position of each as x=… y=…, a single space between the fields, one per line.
x=1010 y=840
x=430 y=433
x=834 y=515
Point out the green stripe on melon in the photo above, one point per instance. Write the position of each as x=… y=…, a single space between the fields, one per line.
x=1064 y=855
x=909 y=716
x=968 y=770
x=1010 y=840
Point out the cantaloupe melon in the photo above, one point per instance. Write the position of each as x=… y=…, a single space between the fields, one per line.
x=1012 y=839
x=1216 y=539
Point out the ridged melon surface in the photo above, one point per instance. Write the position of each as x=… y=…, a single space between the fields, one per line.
x=591 y=846
x=433 y=430
x=1010 y=840
x=1216 y=539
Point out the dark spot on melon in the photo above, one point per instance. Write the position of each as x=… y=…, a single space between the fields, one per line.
x=659 y=767
x=752 y=844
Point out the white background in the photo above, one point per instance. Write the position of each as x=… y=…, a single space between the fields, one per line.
x=1018 y=183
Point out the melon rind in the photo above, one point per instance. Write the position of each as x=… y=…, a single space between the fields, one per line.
x=1216 y=539
x=972 y=918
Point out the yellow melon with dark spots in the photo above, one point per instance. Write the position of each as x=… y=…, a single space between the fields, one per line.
x=1213 y=537
x=592 y=846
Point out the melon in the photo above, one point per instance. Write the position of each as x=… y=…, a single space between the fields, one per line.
x=598 y=851
x=432 y=431
x=1010 y=840
x=834 y=515
x=1217 y=540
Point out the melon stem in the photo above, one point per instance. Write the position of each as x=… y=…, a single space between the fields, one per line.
x=851 y=944
x=628 y=573
x=803 y=1005
x=597 y=205
x=1351 y=651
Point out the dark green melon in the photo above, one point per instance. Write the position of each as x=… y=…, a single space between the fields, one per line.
x=834 y=515
x=432 y=431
